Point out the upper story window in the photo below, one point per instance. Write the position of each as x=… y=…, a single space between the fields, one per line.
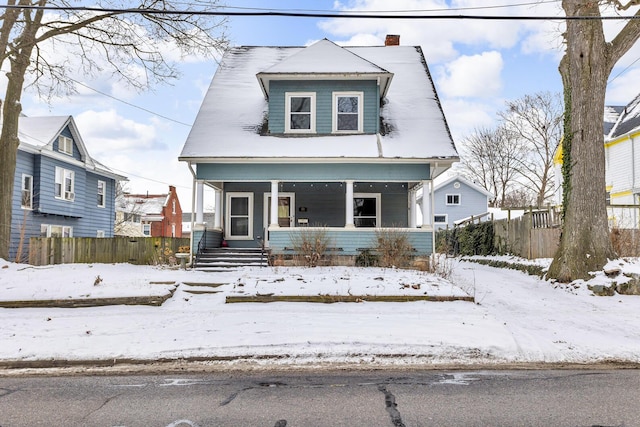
x=65 y=183
x=27 y=192
x=101 y=193
x=347 y=112
x=300 y=112
x=65 y=145
x=453 y=199
x=173 y=206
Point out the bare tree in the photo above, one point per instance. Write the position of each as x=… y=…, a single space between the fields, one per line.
x=585 y=67
x=491 y=158
x=536 y=121
x=136 y=46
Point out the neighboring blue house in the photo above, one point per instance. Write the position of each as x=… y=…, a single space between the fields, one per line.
x=457 y=198
x=59 y=190
x=339 y=138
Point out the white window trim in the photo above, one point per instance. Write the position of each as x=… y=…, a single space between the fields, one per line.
x=64 y=195
x=287 y=112
x=146 y=225
x=30 y=189
x=446 y=200
x=65 y=142
x=104 y=193
x=227 y=217
x=334 y=112
x=446 y=219
x=47 y=228
x=100 y=234
x=378 y=198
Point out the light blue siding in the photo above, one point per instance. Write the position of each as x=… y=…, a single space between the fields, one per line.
x=322 y=204
x=385 y=172
x=348 y=242
x=324 y=100
x=472 y=202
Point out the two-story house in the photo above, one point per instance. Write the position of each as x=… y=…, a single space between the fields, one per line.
x=457 y=198
x=325 y=136
x=149 y=215
x=622 y=164
x=59 y=190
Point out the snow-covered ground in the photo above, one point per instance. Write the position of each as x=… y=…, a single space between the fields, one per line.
x=516 y=318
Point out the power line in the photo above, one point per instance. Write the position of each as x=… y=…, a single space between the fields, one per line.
x=501 y=6
x=130 y=104
x=331 y=15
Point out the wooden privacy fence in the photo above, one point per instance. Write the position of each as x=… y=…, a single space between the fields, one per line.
x=133 y=250
x=536 y=234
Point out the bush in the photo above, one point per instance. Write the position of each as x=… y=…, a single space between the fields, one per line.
x=393 y=247
x=474 y=239
x=366 y=258
x=310 y=245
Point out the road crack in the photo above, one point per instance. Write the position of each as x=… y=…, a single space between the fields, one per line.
x=391 y=406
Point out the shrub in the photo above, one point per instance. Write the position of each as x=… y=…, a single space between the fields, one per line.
x=474 y=239
x=310 y=245
x=366 y=258
x=393 y=247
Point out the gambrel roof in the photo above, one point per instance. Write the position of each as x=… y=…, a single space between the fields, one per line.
x=231 y=119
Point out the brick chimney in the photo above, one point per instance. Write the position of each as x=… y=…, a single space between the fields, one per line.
x=392 y=40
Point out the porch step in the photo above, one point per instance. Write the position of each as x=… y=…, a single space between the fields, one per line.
x=222 y=259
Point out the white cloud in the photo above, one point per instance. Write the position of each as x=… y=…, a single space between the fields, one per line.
x=442 y=38
x=464 y=117
x=473 y=76
x=107 y=131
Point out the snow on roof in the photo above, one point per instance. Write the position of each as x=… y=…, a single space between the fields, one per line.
x=143 y=204
x=466 y=182
x=611 y=116
x=234 y=109
x=628 y=121
x=322 y=57
x=40 y=131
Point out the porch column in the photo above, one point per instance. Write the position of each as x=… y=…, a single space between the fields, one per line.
x=413 y=207
x=217 y=219
x=199 y=202
x=274 y=204
x=348 y=222
x=426 y=204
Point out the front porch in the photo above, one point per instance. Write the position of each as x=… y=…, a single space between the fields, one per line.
x=346 y=241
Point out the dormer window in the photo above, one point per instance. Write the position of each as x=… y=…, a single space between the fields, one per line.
x=301 y=112
x=65 y=145
x=347 y=112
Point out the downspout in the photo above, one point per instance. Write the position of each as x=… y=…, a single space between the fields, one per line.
x=433 y=212
x=633 y=179
x=193 y=207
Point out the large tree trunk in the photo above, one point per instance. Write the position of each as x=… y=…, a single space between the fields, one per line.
x=585 y=244
x=9 y=141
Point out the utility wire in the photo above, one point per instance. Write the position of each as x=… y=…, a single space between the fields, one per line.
x=332 y=15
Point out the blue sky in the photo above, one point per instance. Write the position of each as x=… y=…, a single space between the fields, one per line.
x=476 y=67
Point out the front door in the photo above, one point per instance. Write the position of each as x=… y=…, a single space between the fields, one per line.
x=286 y=211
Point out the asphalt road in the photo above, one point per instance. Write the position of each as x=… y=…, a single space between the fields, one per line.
x=346 y=398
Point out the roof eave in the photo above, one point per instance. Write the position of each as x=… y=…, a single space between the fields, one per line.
x=384 y=78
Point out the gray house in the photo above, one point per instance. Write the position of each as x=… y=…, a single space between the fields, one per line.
x=457 y=198
x=59 y=190
x=338 y=138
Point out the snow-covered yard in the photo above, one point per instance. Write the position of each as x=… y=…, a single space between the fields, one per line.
x=516 y=318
